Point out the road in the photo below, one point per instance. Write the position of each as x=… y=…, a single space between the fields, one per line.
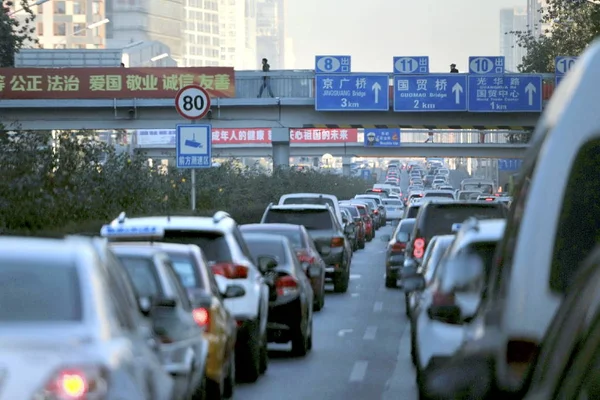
x=360 y=344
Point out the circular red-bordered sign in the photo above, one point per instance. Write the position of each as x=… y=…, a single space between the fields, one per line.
x=192 y=102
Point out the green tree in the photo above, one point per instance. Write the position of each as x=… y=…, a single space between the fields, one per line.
x=15 y=32
x=574 y=24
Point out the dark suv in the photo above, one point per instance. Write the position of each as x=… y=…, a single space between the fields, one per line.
x=436 y=218
x=328 y=235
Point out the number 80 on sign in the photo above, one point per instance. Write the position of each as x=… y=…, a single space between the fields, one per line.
x=192 y=102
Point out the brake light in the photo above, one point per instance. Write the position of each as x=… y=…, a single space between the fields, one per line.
x=376 y=190
x=76 y=384
x=230 y=271
x=305 y=257
x=419 y=248
x=489 y=199
x=337 y=242
x=201 y=317
x=286 y=285
x=399 y=246
x=376 y=212
x=443 y=299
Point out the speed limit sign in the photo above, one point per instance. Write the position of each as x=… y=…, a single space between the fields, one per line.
x=192 y=102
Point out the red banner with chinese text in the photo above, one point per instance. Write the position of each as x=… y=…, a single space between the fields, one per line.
x=112 y=82
x=314 y=135
x=241 y=136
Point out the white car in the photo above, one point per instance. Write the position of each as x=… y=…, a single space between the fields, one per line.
x=453 y=295
x=394 y=209
x=314 y=198
x=221 y=241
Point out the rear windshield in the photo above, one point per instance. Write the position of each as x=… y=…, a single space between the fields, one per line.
x=143 y=275
x=362 y=210
x=406 y=226
x=186 y=270
x=353 y=211
x=293 y=235
x=482 y=187
x=272 y=248
x=397 y=203
x=311 y=219
x=440 y=194
x=439 y=218
x=375 y=199
x=467 y=195
x=44 y=292
x=412 y=211
x=310 y=200
x=213 y=244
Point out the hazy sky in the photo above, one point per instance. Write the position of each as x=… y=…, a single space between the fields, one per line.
x=374 y=31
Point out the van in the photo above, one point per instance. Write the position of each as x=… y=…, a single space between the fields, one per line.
x=314 y=198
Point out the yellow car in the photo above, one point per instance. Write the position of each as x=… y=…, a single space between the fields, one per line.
x=209 y=312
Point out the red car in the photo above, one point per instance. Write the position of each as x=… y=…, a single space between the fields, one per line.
x=368 y=222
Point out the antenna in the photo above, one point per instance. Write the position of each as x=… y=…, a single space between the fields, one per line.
x=122 y=217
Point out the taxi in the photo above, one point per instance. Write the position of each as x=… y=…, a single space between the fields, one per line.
x=207 y=296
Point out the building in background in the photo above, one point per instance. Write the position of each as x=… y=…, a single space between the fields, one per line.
x=237 y=19
x=147 y=54
x=289 y=57
x=534 y=16
x=135 y=21
x=202 y=37
x=512 y=20
x=69 y=24
x=270 y=32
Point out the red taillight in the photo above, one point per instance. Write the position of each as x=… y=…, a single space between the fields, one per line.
x=76 y=384
x=489 y=199
x=399 y=246
x=419 y=248
x=337 y=242
x=230 y=271
x=442 y=299
x=201 y=317
x=305 y=257
x=376 y=212
x=286 y=285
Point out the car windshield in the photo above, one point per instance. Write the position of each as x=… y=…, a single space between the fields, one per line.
x=293 y=235
x=393 y=203
x=185 y=267
x=467 y=195
x=213 y=244
x=375 y=199
x=481 y=187
x=311 y=219
x=261 y=247
x=143 y=275
x=353 y=211
x=440 y=194
x=310 y=200
x=440 y=217
x=39 y=292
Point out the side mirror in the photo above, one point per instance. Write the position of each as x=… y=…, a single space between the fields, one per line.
x=385 y=238
x=415 y=283
x=234 y=291
x=469 y=376
x=145 y=305
x=410 y=263
x=165 y=302
x=349 y=229
x=344 y=219
x=266 y=263
x=463 y=273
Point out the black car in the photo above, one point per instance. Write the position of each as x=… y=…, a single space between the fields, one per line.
x=395 y=254
x=329 y=237
x=291 y=312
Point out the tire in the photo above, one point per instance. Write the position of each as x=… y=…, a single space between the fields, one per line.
x=318 y=305
x=248 y=360
x=361 y=244
x=300 y=342
x=229 y=386
x=407 y=305
x=341 y=282
x=264 y=355
x=213 y=390
x=390 y=283
x=199 y=393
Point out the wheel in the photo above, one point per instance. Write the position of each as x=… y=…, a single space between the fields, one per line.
x=229 y=386
x=264 y=354
x=407 y=305
x=199 y=392
x=248 y=360
x=340 y=284
x=361 y=244
x=320 y=302
x=390 y=282
x=300 y=342
x=310 y=336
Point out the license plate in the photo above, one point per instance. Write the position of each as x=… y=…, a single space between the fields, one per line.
x=392 y=208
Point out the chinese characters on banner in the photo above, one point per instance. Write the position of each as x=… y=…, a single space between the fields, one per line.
x=241 y=136
x=323 y=135
x=112 y=82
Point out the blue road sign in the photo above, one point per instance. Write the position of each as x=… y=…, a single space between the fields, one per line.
x=563 y=64
x=366 y=174
x=382 y=137
x=193 y=145
x=509 y=164
x=436 y=92
x=505 y=93
x=352 y=92
x=486 y=65
x=411 y=65
x=558 y=79
x=332 y=64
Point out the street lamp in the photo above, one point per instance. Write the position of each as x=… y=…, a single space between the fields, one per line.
x=37 y=3
x=133 y=44
x=159 y=57
x=93 y=26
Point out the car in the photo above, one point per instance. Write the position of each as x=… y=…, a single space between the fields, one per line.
x=291 y=311
x=165 y=304
x=223 y=245
x=363 y=210
x=77 y=322
x=381 y=211
x=313 y=198
x=359 y=223
x=394 y=208
x=350 y=229
x=321 y=224
x=395 y=252
x=306 y=251
x=439 y=193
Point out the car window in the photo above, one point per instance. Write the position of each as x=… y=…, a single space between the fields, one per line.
x=39 y=292
x=393 y=203
x=311 y=219
x=353 y=211
x=438 y=219
x=187 y=270
x=362 y=211
x=375 y=199
x=436 y=256
x=119 y=299
x=405 y=227
x=310 y=200
x=142 y=272
x=293 y=235
x=412 y=212
x=177 y=287
x=260 y=247
x=213 y=244
x=440 y=194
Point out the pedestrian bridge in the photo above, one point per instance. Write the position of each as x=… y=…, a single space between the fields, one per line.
x=292 y=108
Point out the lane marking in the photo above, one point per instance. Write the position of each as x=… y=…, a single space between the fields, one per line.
x=354 y=276
x=342 y=332
x=358 y=371
x=354 y=294
x=378 y=306
x=370 y=333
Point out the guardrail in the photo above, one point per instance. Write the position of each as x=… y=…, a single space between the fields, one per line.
x=300 y=84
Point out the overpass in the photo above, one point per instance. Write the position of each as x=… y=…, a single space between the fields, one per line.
x=293 y=108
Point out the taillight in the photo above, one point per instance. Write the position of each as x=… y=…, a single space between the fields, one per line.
x=230 y=271
x=286 y=285
x=201 y=316
x=337 y=242
x=76 y=384
x=376 y=212
x=305 y=257
x=419 y=248
x=442 y=299
x=489 y=199
x=399 y=246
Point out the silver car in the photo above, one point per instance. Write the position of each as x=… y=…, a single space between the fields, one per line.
x=69 y=328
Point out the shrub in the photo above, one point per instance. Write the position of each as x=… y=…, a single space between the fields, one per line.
x=73 y=184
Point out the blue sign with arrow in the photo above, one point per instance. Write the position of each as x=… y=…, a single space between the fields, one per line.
x=352 y=92
x=486 y=65
x=435 y=92
x=505 y=93
x=366 y=174
x=193 y=145
x=509 y=164
x=411 y=65
x=382 y=137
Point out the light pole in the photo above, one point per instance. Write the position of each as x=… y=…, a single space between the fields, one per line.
x=90 y=26
x=37 y=3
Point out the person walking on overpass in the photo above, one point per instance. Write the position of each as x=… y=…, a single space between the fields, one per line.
x=266 y=80
x=453 y=69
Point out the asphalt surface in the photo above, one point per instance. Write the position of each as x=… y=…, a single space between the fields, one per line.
x=360 y=344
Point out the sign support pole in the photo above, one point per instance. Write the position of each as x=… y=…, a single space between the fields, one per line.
x=193 y=192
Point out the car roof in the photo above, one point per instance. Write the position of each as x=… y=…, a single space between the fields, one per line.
x=267 y=237
x=67 y=249
x=300 y=207
x=219 y=222
x=162 y=246
x=268 y=226
x=135 y=248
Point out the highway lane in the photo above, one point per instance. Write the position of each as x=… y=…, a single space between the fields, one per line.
x=359 y=346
